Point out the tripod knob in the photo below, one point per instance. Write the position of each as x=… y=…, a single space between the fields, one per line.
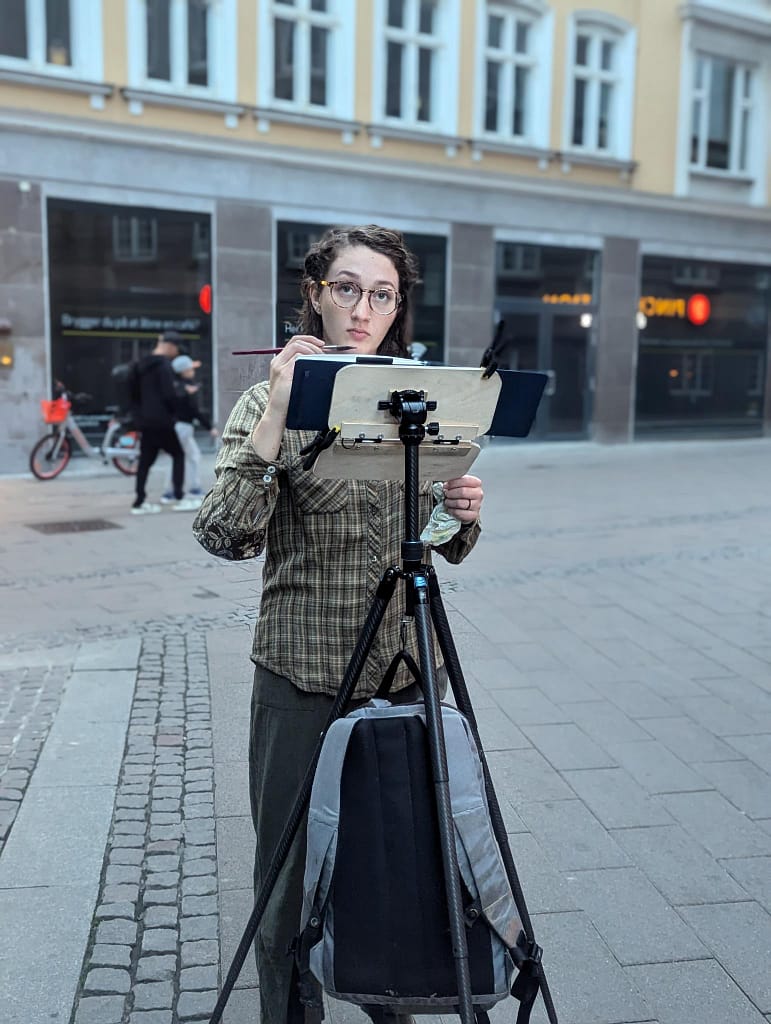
x=432 y=429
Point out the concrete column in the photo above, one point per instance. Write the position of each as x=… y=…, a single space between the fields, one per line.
x=616 y=357
x=243 y=298
x=471 y=294
x=22 y=305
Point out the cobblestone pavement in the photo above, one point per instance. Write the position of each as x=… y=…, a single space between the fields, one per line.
x=615 y=629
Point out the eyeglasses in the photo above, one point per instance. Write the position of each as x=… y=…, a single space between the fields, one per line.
x=347 y=294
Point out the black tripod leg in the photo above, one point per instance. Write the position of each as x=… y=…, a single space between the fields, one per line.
x=360 y=653
x=463 y=700
x=438 y=752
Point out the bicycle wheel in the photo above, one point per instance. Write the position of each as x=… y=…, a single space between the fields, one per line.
x=128 y=463
x=49 y=456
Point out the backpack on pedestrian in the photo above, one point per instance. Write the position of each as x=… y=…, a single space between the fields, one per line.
x=126 y=377
x=375 y=925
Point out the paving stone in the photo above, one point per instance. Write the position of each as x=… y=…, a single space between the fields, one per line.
x=163 y=862
x=164 y=879
x=104 y=980
x=126 y=856
x=120 y=874
x=199 y=953
x=716 y=824
x=195 y=1005
x=153 y=995
x=111 y=956
x=199 y=978
x=161 y=896
x=689 y=741
x=699 y=992
x=632 y=917
x=160 y=917
x=199 y=885
x=754 y=875
x=151 y=1017
x=573 y=837
x=198 y=928
x=120 y=893
x=616 y=799
x=117 y=932
x=756 y=748
x=747 y=955
x=100 y=1010
x=124 y=909
x=159 y=940
x=655 y=767
x=192 y=905
x=743 y=783
x=156 y=968
x=524 y=775
x=201 y=866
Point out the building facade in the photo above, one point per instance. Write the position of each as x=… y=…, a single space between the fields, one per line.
x=591 y=181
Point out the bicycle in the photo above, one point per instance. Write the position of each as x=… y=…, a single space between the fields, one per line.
x=52 y=452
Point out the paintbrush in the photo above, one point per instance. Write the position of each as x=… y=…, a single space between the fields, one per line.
x=273 y=351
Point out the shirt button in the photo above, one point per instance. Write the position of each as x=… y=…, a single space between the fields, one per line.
x=271 y=469
x=267 y=479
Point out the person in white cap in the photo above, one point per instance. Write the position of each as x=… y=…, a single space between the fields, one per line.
x=188 y=414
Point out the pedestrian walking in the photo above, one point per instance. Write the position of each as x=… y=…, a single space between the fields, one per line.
x=154 y=401
x=188 y=414
x=326 y=544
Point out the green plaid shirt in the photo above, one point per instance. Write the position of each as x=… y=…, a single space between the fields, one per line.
x=327 y=544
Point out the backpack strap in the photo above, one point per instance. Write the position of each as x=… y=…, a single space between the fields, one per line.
x=402 y=656
x=527 y=957
x=306 y=1005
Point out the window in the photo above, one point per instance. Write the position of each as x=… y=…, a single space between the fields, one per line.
x=517 y=261
x=692 y=375
x=302 y=36
x=412 y=53
x=134 y=239
x=721 y=115
x=600 y=86
x=508 y=73
x=177 y=36
x=39 y=32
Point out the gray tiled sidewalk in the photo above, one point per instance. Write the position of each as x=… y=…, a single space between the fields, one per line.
x=615 y=629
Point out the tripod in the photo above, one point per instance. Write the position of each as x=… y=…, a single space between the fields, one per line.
x=409 y=408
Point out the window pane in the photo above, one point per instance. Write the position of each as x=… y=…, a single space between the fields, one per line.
x=579 y=102
x=158 y=40
x=603 y=127
x=427 y=12
x=319 y=5
x=521 y=77
x=319 y=52
x=494 y=31
x=394 y=80
x=582 y=50
x=289 y=3
x=721 y=94
x=493 y=84
x=695 y=130
x=58 y=32
x=521 y=37
x=13 y=29
x=197 y=42
x=747 y=86
x=744 y=140
x=698 y=73
x=283 y=59
x=607 y=53
x=425 y=61
x=396 y=13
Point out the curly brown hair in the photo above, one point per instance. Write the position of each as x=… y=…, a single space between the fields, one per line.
x=322 y=255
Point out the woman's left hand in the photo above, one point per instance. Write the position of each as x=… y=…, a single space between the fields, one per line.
x=463 y=498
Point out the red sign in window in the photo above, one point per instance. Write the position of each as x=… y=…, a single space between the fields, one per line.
x=204 y=298
x=698 y=309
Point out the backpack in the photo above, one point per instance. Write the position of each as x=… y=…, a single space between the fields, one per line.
x=375 y=925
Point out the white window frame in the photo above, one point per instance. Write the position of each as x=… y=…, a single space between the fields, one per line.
x=538 y=61
x=602 y=27
x=739 y=106
x=444 y=42
x=136 y=252
x=340 y=20
x=86 y=56
x=222 y=41
x=704 y=375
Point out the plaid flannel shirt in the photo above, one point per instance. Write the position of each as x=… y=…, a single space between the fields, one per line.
x=327 y=544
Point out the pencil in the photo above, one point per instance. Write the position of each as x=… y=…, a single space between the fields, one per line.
x=273 y=351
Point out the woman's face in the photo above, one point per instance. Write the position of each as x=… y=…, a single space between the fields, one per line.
x=357 y=326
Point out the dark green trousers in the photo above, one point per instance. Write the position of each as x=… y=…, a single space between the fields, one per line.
x=285 y=727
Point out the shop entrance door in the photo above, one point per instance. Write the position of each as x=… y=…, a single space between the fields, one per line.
x=551 y=339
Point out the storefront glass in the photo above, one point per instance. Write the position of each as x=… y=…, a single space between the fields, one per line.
x=702 y=347
x=119 y=276
x=293 y=240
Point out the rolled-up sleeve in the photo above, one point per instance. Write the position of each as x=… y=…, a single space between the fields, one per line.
x=456 y=548
x=234 y=515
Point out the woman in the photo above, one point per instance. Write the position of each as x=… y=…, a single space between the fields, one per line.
x=327 y=543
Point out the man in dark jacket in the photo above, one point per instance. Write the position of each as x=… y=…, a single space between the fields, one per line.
x=154 y=412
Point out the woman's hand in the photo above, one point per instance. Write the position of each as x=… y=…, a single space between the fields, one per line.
x=463 y=498
x=267 y=435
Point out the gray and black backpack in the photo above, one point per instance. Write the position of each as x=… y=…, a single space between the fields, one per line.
x=375 y=926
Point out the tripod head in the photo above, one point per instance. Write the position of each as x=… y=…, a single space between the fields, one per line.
x=410 y=409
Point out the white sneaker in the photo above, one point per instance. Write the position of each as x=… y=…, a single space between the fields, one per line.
x=187 y=505
x=145 y=509
x=167 y=498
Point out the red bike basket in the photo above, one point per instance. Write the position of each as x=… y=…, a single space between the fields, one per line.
x=56 y=411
